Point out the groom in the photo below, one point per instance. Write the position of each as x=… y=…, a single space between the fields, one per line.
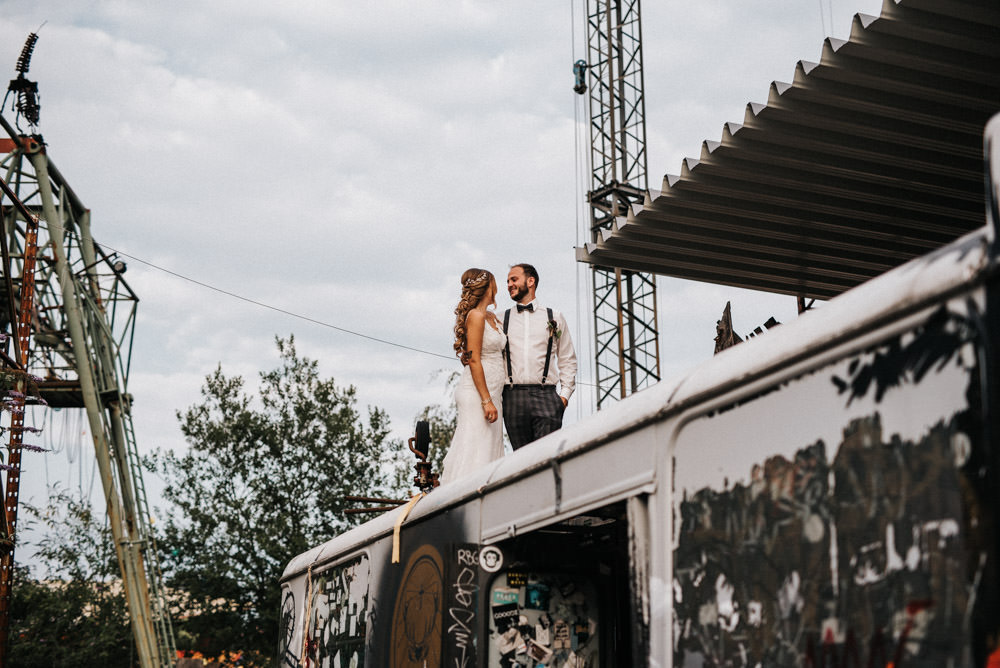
x=539 y=354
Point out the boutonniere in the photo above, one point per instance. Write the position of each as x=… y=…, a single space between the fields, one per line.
x=554 y=330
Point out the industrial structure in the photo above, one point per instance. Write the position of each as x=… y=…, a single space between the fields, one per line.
x=825 y=493
x=78 y=314
x=626 y=346
x=865 y=160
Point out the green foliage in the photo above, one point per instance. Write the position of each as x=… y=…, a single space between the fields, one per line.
x=75 y=614
x=263 y=481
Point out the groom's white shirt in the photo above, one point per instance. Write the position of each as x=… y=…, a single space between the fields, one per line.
x=528 y=337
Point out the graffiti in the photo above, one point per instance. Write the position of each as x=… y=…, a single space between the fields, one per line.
x=337 y=626
x=846 y=556
x=416 y=621
x=543 y=620
x=462 y=603
x=769 y=569
x=933 y=345
x=287 y=628
x=882 y=649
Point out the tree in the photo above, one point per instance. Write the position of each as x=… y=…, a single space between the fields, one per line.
x=75 y=614
x=263 y=480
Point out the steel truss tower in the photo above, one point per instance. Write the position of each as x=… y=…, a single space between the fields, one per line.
x=626 y=344
x=81 y=328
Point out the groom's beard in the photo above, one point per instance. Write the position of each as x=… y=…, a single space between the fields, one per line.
x=519 y=295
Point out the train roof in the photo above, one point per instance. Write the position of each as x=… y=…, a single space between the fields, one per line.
x=904 y=290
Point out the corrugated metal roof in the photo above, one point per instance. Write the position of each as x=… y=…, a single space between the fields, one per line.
x=867 y=159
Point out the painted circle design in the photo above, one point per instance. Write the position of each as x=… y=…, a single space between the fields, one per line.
x=491 y=559
x=417 y=618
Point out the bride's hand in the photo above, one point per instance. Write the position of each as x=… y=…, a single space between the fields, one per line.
x=490 y=412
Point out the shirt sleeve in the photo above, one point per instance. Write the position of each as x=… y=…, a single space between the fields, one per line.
x=566 y=356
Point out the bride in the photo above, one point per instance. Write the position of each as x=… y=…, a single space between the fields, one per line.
x=479 y=344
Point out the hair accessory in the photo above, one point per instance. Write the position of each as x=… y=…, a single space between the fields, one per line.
x=472 y=281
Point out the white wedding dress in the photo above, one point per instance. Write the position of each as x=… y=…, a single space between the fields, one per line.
x=477 y=442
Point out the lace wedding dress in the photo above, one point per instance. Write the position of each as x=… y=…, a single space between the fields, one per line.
x=477 y=442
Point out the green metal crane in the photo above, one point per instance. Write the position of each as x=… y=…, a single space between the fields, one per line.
x=81 y=329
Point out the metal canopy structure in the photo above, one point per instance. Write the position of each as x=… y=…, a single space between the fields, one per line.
x=866 y=160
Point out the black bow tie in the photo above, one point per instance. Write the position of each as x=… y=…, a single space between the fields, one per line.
x=525 y=307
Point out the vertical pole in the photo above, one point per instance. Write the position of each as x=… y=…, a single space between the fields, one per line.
x=619 y=339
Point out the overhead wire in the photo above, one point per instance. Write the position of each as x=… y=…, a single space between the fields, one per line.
x=825 y=12
x=255 y=302
x=276 y=309
x=281 y=310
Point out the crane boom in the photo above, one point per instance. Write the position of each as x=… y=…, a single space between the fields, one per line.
x=82 y=332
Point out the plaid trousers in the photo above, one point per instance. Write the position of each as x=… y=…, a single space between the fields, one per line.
x=530 y=412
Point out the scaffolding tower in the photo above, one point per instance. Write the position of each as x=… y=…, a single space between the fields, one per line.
x=625 y=330
x=82 y=324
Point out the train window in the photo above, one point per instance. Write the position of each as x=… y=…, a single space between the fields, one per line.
x=562 y=597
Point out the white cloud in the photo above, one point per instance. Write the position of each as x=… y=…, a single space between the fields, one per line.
x=347 y=162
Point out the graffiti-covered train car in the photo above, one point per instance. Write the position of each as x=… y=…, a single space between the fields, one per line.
x=824 y=495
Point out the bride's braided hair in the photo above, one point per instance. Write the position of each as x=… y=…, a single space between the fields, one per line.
x=475 y=284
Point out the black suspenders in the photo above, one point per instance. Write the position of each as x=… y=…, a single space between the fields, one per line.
x=548 y=350
x=506 y=347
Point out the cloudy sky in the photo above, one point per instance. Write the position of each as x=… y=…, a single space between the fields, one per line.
x=347 y=161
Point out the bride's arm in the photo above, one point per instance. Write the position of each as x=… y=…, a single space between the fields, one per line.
x=475 y=327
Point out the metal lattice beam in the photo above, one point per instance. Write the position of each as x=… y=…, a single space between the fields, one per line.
x=625 y=330
x=82 y=328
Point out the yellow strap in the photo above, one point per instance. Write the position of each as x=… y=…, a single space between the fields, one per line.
x=304 y=655
x=399 y=522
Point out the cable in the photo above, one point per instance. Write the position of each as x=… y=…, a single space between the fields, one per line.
x=281 y=310
x=208 y=286
x=275 y=308
x=581 y=165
